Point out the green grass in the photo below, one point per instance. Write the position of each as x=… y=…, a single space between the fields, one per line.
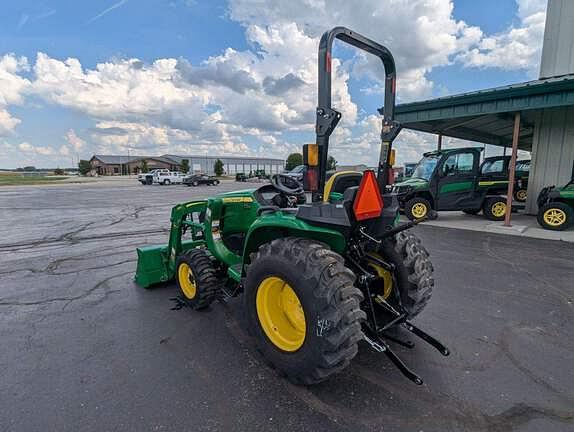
x=16 y=179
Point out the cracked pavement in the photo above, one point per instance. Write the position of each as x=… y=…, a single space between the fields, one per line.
x=84 y=348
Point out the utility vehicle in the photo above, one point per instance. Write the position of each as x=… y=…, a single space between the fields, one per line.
x=321 y=265
x=496 y=168
x=451 y=180
x=556 y=207
x=147 y=178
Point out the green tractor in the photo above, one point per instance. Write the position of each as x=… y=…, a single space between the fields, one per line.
x=453 y=179
x=556 y=207
x=321 y=265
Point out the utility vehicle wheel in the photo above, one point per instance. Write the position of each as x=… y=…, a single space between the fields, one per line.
x=494 y=208
x=555 y=216
x=520 y=195
x=471 y=211
x=417 y=208
x=303 y=309
x=413 y=273
x=166 y=182
x=196 y=279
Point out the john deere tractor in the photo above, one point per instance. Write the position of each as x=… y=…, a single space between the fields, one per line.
x=321 y=265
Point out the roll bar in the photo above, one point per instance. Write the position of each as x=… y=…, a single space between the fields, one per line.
x=328 y=118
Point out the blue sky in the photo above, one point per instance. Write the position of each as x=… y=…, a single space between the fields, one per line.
x=235 y=77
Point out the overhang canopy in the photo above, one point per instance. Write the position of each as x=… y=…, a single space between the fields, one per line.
x=486 y=116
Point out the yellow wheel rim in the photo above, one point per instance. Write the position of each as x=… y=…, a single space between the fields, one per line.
x=554 y=216
x=384 y=276
x=521 y=195
x=280 y=314
x=419 y=210
x=186 y=280
x=498 y=209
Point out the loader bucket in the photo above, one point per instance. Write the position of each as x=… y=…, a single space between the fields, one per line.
x=152 y=265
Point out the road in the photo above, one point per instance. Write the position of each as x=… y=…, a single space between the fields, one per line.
x=84 y=348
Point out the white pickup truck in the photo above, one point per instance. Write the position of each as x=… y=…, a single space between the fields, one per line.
x=168 y=177
x=147 y=178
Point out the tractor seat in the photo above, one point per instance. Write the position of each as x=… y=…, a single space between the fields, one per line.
x=340 y=182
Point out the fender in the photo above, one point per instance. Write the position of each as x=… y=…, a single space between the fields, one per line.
x=280 y=224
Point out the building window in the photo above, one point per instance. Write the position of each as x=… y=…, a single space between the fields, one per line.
x=116 y=170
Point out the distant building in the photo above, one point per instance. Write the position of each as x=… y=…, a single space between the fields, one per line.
x=122 y=165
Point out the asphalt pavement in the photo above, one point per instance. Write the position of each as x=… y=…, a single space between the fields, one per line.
x=85 y=349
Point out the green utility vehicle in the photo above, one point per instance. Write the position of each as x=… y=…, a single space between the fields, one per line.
x=452 y=180
x=556 y=207
x=321 y=265
x=496 y=168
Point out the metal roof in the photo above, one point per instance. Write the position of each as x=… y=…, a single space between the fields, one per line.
x=487 y=115
x=176 y=159
x=179 y=158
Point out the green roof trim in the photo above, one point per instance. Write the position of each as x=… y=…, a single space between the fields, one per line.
x=537 y=94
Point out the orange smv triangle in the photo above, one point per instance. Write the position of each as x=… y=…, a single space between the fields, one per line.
x=368 y=202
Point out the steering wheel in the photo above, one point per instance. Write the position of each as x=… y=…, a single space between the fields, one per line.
x=286 y=184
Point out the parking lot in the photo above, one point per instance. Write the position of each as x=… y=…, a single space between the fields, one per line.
x=84 y=348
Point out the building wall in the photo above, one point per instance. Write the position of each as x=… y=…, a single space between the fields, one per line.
x=552 y=152
x=558 y=49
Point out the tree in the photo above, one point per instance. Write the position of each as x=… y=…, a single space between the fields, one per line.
x=59 y=172
x=331 y=163
x=293 y=160
x=84 y=167
x=184 y=166
x=144 y=168
x=218 y=167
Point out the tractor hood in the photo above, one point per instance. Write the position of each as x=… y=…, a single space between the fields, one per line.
x=413 y=183
x=238 y=193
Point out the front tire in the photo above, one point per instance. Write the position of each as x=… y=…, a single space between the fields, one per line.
x=417 y=208
x=555 y=216
x=303 y=309
x=494 y=208
x=196 y=278
x=166 y=182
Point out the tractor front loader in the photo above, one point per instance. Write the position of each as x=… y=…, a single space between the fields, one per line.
x=321 y=265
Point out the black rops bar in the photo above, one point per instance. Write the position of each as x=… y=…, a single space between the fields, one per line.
x=327 y=118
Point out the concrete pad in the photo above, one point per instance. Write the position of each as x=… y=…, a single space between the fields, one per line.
x=522 y=225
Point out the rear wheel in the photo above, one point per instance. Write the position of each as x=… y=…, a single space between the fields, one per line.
x=494 y=208
x=194 y=183
x=520 y=195
x=215 y=182
x=196 y=278
x=413 y=273
x=166 y=182
x=417 y=208
x=555 y=216
x=303 y=308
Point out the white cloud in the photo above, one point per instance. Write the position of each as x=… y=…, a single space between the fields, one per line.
x=26 y=147
x=74 y=140
x=517 y=47
x=12 y=86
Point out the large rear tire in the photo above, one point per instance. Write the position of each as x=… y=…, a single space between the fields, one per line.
x=413 y=272
x=303 y=309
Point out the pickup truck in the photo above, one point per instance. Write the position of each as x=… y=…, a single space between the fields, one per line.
x=147 y=178
x=168 y=177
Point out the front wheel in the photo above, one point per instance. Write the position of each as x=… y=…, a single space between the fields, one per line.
x=166 y=182
x=194 y=183
x=417 y=208
x=303 y=308
x=196 y=278
x=215 y=182
x=555 y=216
